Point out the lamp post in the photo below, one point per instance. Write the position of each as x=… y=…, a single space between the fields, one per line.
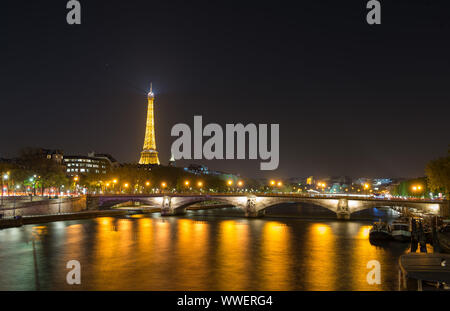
x=417 y=189
x=163 y=186
x=240 y=183
x=4 y=177
x=366 y=187
x=14 y=200
x=114 y=184
x=230 y=183
x=75 y=180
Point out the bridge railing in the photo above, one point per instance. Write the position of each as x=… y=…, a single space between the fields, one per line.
x=281 y=194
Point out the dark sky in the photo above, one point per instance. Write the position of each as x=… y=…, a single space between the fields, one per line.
x=350 y=98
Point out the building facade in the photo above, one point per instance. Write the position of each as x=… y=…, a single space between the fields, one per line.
x=93 y=163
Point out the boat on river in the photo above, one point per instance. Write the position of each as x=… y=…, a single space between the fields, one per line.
x=443 y=236
x=401 y=230
x=380 y=231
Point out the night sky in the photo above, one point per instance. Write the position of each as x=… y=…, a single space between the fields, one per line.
x=351 y=98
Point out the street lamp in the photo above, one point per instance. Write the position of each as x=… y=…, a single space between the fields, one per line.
x=76 y=179
x=114 y=181
x=240 y=183
x=417 y=188
x=229 y=183
x=147 y=184
x=186 y=184
x=4 y=177
x=366 y=187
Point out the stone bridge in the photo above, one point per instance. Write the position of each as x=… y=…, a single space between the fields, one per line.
x=255 y=205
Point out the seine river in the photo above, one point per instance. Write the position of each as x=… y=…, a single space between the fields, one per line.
x=203 y=250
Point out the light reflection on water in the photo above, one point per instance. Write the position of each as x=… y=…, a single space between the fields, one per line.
x=196 y=253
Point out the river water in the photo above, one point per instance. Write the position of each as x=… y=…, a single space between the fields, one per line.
x=203 y=250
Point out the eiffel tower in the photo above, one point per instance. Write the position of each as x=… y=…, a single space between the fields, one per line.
x=149 y=155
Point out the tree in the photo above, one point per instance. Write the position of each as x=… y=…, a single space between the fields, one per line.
x=33 y=162
x=438 y=174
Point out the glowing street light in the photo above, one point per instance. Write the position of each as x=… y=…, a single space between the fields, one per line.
x=147 y=183
x=240 y=183
x=272 y=182
x=76 y=178
x=4 y=177
x=416 y=188
x=230 y=182
x=279 y=184
x=163 y=185
x=186 y=183
x=200 y=184
x=115 y=181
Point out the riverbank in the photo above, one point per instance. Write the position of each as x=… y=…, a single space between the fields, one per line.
x=37 y=219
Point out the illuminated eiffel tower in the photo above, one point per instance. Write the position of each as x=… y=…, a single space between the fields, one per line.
x=149 y=155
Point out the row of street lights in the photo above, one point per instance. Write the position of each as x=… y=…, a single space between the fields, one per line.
x=187 y=183
x=276 y=183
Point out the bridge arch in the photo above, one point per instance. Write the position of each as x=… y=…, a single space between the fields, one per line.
x=177 y=205
x=219 y=200
x=322 y=207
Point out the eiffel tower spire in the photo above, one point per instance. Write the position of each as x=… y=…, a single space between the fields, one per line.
x=149 y=155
